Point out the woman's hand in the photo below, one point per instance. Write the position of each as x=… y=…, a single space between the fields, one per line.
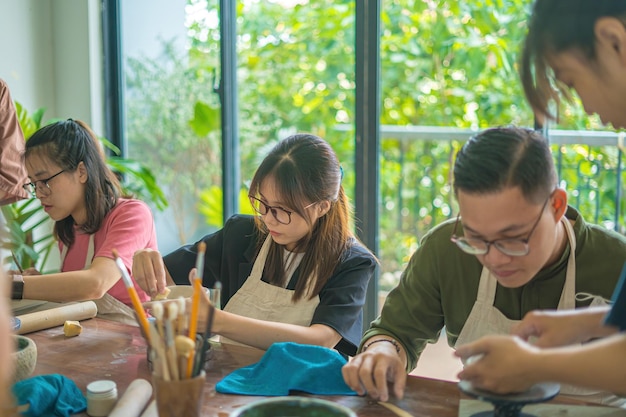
x=548 y=328
x=149 y=271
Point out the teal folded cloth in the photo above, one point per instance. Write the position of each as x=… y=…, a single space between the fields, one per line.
x=288 y=367
x=51 y=395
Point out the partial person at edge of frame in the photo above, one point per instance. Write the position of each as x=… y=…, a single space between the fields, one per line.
x=68 y=173
x=295 y=271
x=12 y=170
x=8 y=406
x=12 y=176
x=516 y=246
x=580 y=46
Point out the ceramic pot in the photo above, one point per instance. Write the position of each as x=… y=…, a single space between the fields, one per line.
x=24 y=357
x=293 y=406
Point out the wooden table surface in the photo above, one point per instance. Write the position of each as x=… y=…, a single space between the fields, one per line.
x=109 y=350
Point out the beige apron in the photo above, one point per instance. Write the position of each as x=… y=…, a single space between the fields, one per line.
x=485 y=319
x=259 y=300
x=109 y=307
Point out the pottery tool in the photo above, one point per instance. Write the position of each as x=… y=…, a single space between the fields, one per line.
x=132 y=292
x=161 y=369
x=134 y=399
x=195 y=303
x=396 y=410
x=184 y=349
x=17 y=262
x=157 y=312
x=57 y=316
x=172 y=313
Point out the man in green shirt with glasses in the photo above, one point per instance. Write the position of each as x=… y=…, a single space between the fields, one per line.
x=516 y=246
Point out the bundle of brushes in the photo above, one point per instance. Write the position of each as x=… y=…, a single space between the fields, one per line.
x=177 y=350
x=172 y=348
x=169 y=345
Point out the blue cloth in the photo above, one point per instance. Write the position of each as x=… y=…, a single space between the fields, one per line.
x=288 y=367
x=51 y=395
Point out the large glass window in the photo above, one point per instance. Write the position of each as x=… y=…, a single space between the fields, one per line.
x=172 y=112
x=448 y=69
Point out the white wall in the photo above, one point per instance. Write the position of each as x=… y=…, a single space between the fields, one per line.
x=51 y=57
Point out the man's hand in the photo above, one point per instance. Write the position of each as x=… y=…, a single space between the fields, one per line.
x=369 y=372
x=505 y=364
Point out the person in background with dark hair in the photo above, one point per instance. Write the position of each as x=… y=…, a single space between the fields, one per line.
x=69 y=175
x=293 y=273
x=577 y=45
x=515 y=246
x=571 y=45
x=12 y=170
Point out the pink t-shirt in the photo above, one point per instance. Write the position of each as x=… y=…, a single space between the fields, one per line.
x=128 y=227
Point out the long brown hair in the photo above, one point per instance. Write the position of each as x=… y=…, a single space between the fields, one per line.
x=305 y=169
x=68 y=143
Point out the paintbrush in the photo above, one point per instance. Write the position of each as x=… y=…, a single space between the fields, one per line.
x=132 y=292
x=172 y=313
x=195 y=303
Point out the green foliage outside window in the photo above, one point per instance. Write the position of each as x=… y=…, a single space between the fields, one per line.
x=443 y=63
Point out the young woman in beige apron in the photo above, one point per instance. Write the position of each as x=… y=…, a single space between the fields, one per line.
x=485 y=319
x=84 y=198
x=259 y=300
x=292 y=273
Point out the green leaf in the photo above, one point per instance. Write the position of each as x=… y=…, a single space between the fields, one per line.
x=206 y=118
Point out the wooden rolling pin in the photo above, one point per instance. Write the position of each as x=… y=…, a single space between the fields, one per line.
x=134 y=399
x=151 y=410
x=53 y=317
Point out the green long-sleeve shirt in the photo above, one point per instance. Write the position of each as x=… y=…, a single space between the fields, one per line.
x=439 y=286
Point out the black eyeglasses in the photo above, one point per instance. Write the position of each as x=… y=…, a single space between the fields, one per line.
x=510 y=247
x=31 y=187
x=281 y=215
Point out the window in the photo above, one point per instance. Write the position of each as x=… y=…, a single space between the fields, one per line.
x=447 y=69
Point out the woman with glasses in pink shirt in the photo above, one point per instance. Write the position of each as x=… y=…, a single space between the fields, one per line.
x=294 y=272
x=69 y=175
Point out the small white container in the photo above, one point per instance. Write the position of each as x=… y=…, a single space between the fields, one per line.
x=101 y=397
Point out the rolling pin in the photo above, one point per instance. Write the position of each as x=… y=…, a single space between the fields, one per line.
x=134 y=399
x=151 y=410
x=53 y=317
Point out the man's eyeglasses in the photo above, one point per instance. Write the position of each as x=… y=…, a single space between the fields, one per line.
x=510 y=247
x=42 y=185
x=281 y=215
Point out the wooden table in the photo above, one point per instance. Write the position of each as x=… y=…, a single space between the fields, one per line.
x=110 y=350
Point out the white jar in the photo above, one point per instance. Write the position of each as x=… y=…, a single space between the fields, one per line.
x=101 y=397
